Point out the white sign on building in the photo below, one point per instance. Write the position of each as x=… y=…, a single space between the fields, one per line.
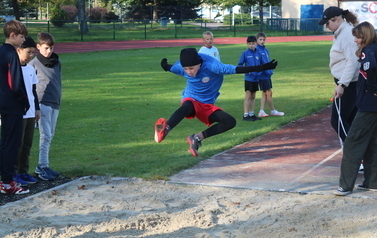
x=365 y=11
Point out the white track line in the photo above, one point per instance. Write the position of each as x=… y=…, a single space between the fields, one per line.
x=317 y=165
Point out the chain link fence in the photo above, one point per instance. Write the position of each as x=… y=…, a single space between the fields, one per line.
x=169 y=29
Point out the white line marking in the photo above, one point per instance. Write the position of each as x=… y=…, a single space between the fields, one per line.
x=317 y=165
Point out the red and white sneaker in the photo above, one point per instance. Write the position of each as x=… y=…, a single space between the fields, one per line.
x=195 y=143
x=276 y=113
x=15 y=188
x=160 y=130
x=262 y=114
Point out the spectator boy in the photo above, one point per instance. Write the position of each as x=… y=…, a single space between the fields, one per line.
x=265 y=83
x=49 y=90
x=208 y=48
x=26 y=53
x=250 y=57
x=13 y=105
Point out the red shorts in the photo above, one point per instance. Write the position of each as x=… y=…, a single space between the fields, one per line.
x=202 y=110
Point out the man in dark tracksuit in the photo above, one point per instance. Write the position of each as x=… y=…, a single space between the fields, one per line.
x=13 y=105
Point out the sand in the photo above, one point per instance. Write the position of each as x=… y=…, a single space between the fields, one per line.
x=123 y=207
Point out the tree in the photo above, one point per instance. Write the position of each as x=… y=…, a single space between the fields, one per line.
x=261 y=4
x=16 y=9
x=83 y=25
x=58 y=16
x=155 y=9
x=6 y=7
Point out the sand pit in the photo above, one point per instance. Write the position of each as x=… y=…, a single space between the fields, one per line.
x=120 y=207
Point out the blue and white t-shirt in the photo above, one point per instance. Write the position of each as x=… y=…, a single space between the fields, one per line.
x=205 y=86
x=213 y=51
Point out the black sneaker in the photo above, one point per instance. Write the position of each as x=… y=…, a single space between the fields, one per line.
x=44 y=173
x=28 y=178
x=195 y=143
x=342 y=192
x=361 y=187
x=54 y=173
x=255 y=118
x=248 y=118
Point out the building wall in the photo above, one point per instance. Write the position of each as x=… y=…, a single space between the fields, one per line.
x=291 y=8
x=365 y=10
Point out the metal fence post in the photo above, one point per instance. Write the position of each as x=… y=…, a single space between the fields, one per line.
x=145 y=30
x=48 y=26
x=113 y=30
x=175 y=28
x=81 y=31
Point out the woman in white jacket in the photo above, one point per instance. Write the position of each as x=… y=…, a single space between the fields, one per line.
x=344 y=67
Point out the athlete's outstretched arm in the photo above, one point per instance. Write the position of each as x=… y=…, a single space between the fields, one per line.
x=165 y=65
x=247 y=69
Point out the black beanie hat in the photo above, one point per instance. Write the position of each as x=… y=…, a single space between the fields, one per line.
x=251 y=39
x=189 y=57
x=29 y=42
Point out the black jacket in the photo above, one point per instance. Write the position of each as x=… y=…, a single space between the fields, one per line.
x=13 y=97
x=367 y=83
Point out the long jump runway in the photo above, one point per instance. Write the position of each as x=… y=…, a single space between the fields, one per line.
x=303 y=156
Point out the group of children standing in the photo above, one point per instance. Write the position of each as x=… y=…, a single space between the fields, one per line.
x=256 y=54
x=29 y=93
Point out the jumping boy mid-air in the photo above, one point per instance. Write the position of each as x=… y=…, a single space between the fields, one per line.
x=204 y=76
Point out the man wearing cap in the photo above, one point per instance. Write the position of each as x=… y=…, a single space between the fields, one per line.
x=204 y=77
x=344 y=67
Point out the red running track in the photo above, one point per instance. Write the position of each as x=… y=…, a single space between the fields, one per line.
x=78 y=47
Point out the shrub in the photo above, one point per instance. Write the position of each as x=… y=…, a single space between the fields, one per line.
x=58 y=16
x=243 y=18
x=97 y=13
x=71 y=12
x=110 y=17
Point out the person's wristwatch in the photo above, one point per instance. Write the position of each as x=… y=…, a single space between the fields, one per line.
x=342 y=85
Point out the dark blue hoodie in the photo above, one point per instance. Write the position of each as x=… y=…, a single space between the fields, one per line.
x=367 y=83
x=265 y=58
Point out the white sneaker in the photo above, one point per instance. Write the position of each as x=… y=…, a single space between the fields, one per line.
x=276 y=113
x=361 y=169
x=262 y=114
x=342 y=192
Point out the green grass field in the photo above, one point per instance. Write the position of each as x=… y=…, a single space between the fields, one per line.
x=111 y=100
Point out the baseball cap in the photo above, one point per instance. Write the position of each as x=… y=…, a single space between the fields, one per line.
x=329 y=13
x=29 y=42
x=251 y=39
